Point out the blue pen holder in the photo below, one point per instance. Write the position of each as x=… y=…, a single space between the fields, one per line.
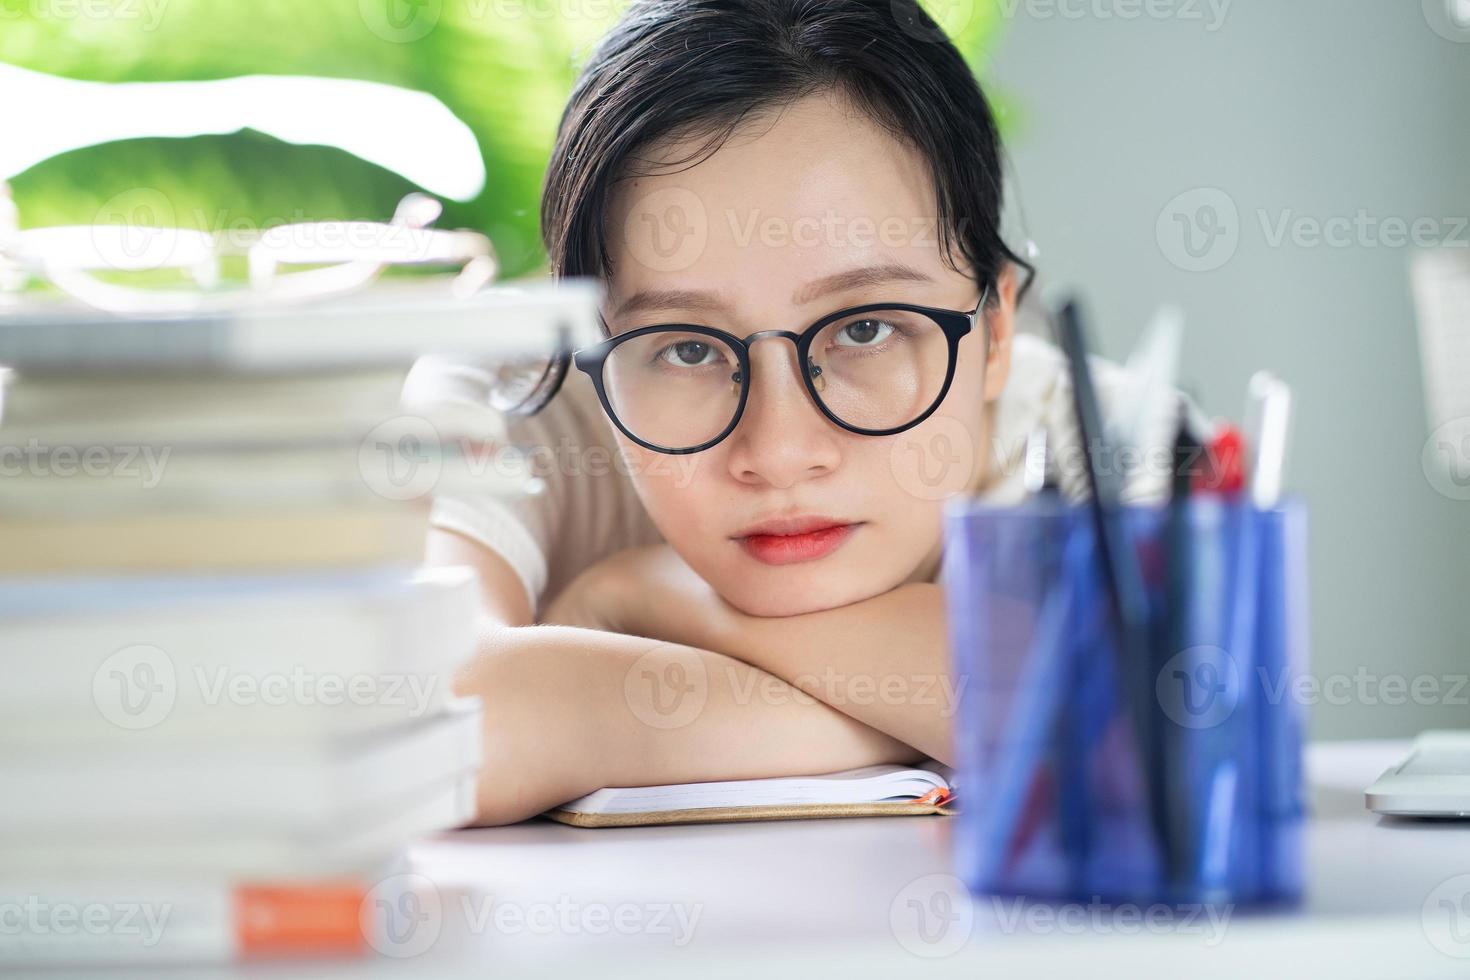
x=1171 y=775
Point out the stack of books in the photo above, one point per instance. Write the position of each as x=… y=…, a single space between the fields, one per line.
x=227 y=701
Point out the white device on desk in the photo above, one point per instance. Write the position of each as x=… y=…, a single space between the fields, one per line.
x=1435 y=779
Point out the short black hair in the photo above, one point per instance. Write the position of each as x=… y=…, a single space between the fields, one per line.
x=687 y=68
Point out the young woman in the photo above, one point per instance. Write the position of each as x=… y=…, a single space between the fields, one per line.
x=794 y=207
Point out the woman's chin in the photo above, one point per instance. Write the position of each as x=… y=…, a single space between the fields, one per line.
x=796 y=598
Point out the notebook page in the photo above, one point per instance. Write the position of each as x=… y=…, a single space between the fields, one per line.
x=871 y=784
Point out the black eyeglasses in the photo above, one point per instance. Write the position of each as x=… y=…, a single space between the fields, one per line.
x=680 y=388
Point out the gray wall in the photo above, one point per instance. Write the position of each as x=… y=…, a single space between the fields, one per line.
x=1316 y=108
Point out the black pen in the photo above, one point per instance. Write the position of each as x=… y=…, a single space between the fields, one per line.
x=1169 y=745
x=1120 y=566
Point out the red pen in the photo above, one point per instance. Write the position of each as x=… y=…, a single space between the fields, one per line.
x=1223 y=469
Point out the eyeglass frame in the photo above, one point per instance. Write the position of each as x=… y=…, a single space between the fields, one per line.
x=348 y=269
x=956 y=325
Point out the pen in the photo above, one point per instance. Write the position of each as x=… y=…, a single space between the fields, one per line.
x=1171 y=739
x=1268 y=424
x=1120 y=566
x=1068 y=762
x=1225 y=463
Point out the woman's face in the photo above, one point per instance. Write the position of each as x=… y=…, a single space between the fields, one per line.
x=799 y=215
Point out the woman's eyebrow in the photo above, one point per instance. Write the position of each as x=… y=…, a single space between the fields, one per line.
x=709 y=302
x=668 y=299
x=874 y=275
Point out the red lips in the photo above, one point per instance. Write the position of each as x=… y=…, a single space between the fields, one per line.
x=783 y=541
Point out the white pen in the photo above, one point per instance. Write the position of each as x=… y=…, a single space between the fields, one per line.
x=1267 y=428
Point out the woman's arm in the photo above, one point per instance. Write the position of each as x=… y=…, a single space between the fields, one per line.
x=883 y=661
x=569 y=710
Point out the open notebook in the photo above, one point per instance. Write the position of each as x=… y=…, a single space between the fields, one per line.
x=873 y=791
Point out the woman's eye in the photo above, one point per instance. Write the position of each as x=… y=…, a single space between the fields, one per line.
x=864 y=333
x=687 y=353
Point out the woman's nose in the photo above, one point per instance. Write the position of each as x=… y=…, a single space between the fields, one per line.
x=782 y=438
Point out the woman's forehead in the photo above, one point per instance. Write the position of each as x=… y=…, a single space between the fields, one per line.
x=812 y=194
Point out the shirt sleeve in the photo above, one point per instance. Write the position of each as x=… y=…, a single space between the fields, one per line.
x=587 y=508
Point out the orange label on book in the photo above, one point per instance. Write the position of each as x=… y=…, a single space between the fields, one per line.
x=298 y=920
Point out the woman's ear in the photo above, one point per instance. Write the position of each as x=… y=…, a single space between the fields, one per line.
x=1000 y=324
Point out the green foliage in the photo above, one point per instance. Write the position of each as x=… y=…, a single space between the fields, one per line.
x=504 y=67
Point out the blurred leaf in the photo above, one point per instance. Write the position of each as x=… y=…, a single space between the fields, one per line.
x=504 y=67
x=178 y=183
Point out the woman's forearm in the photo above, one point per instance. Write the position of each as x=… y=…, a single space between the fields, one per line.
x=883 y=661
x=571 y=710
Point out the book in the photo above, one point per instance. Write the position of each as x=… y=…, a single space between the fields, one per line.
x=305 y=785
x=145 y=408
x=94 y=919
x=357 y=844
x=388 y=324
x=275 y=538
x=872 y=791
x=169 y=479
x=214 y=411
x=210 y=656
x=227 y=688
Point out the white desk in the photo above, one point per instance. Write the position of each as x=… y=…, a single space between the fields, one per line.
x=827 y=898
